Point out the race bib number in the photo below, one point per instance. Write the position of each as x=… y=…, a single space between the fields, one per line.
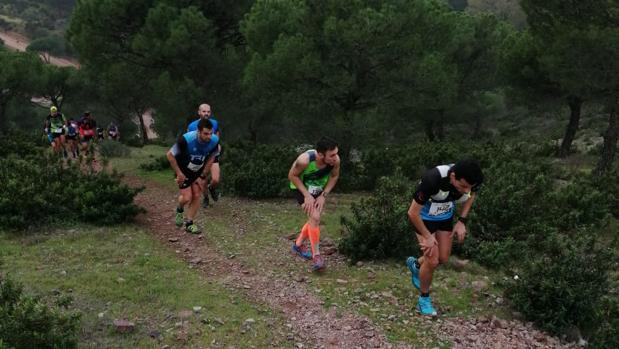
x=314 y=190
x=57 y=130
x=440 y=208
x=194 y=167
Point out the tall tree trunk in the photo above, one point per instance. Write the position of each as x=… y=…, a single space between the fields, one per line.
x=429 y=129
x=575 y=104
x=610 y=143
x=143 y=131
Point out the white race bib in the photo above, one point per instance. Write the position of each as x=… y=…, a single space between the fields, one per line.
x=57 y=130
x=440 y=208
x=314 y=190
x=194 y=167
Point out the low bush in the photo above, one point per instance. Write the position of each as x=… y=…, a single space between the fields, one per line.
x=256 y=171
x=113 y=149
x=379 y=226
x=562 y=286
x=605 y=328
x=158 y=163
x=38 y=189
x=609 y=185
x=26 y=322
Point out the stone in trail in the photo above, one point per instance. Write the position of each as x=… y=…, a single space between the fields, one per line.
x=124 y=326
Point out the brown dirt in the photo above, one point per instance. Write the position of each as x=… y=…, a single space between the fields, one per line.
x=18 y=42
x=309 y=321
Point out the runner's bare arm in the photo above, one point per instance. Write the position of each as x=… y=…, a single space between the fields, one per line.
x=460 y=227
x=294 y=175
x=333 y=177
x=466 y=206
x=414 y=215
x=209 y=164
x=173 y=163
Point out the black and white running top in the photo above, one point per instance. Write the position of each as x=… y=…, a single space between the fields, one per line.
x=437 y=195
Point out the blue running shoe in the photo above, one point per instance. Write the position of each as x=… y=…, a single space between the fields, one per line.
x=424 y=306
x=410 y=262
x=301 y=251
x=319 y=263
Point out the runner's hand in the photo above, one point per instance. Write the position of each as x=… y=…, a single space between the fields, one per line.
x=320 y=203
x=427 y=245
x=308 y=204
x=180 y=178
x=460 y=230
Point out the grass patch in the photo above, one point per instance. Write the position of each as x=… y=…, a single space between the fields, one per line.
x=254 y=232
x=130 y=165
x=122 y=272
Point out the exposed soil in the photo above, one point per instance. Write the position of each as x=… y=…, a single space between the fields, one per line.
x=310 y=323
x=18 y=42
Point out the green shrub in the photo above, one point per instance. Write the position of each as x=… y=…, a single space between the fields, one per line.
x=26 y=322
x=377 y=162
x=18 y=144
x=609 y=185
x=521 y=202
x=256 y=171
x=562 y=286
x=494 y=254
x=158 y=163
x=379 y=226
x=515 y=201
x=605 y=333
x=582 y=203
x=38 y=190
x=113 y=149
x=135 y=142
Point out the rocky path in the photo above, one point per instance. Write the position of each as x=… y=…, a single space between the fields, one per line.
x=307 y=319
x=310 y=323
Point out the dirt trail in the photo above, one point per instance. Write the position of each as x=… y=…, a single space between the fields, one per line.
x=18 y=42
x=310 y=322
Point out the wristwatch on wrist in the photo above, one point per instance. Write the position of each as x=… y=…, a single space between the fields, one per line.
x=462 y=219
x=203 y=176
x=324 y=193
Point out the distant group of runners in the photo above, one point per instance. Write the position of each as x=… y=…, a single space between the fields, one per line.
x=313 y=176
x=71 y=135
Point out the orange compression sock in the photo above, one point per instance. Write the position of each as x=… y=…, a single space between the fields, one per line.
x=304 y=235
x=314 y=236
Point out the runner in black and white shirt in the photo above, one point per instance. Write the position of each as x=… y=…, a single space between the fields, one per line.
x=432 y=212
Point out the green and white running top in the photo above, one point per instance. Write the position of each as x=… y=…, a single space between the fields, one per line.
x=315 y=179
x=56 y=123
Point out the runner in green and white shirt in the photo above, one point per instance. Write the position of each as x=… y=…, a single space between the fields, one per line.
x=312 y=177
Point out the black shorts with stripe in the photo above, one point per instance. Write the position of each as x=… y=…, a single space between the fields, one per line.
x=300 y=197
x=190 y=176
x=434 y=226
